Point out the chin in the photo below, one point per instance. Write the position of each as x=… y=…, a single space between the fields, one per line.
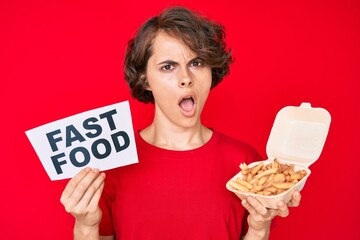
x=190 y=123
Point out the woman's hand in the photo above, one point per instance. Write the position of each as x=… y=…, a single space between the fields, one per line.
x=81 y=197
x=259 y=218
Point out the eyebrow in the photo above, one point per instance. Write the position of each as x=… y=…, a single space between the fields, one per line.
x=168 y=62
x=171 y=62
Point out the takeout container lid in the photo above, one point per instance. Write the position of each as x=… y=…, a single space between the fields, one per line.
x=298 y=134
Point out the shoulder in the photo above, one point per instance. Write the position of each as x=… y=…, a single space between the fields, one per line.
x=230 y=145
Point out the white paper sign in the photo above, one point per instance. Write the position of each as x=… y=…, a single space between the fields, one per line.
x=102 y=138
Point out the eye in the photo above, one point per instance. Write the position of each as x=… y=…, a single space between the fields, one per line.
x=196 y=63
x=167 y=67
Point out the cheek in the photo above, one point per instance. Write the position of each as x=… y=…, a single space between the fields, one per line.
x=163 y=94
x=204 y=72
x=204 y=96
x=206 y=80
x=159 y=80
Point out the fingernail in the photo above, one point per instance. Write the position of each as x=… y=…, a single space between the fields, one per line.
x=243 y=202
x=281 y=204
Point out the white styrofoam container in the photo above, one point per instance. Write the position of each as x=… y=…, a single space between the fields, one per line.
x=297 y=137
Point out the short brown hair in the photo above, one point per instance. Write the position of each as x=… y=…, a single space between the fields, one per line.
x=202 y=36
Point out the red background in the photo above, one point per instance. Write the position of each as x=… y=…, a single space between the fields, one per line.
x=59 y=58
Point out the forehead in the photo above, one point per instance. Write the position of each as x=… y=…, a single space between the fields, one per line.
x=166 y=46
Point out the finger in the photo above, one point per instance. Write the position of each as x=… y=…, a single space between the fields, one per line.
x=95 y=199
x=91 y=190
x=82 y=187
x=283 y=210
x=273 y=213
x=295 y=201
x=70 y=187
x=259 y=208
x=248 y=207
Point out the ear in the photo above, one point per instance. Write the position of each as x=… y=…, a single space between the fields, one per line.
x=143 y=78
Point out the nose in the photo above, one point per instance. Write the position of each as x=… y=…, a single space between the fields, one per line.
x=185 y=78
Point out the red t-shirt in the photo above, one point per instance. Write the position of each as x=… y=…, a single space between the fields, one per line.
x=176 y=194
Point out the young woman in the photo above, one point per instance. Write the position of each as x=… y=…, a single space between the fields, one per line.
x=177 y=190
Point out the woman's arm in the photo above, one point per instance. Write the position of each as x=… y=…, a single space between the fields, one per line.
x=259 y=219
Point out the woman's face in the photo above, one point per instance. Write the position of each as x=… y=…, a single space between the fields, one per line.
x=179 y=80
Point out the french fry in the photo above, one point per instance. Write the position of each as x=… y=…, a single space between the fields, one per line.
x=257 y=168
x=279 y=177
x=270 y=179
x=244 y=183
x=267 y=172
x=244 y=168
x=283 y=185
x=274 y=164
x=258 y=188
x=254 y=181
x=273 y=190
x=286 y=171
x=266 y=193
x=295 y=176
x=288 y=178
x=262 y=180
x=238 y=187
x=249 y=177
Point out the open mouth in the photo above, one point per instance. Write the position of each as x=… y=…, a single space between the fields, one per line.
x=187 y=104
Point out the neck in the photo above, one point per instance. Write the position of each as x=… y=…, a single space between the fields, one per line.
x=175 y=137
